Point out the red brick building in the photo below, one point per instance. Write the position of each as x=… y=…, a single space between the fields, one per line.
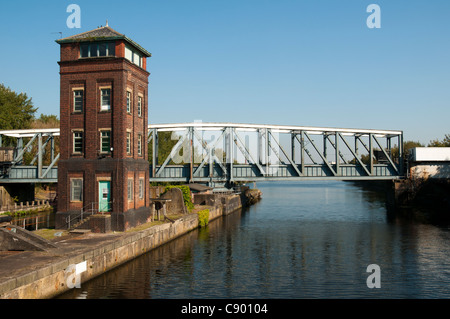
x=103 y=119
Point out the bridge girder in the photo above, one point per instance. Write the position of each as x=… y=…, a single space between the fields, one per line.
x=252 y=152
x=230 y=152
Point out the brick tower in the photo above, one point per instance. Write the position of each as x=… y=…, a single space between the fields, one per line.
x=103 y=123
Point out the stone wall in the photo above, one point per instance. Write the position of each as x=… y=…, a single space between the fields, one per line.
x=176 y=204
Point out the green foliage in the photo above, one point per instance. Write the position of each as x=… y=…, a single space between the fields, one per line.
x=16 y=111
x=21 y=213
x=166 y=141
x=203 y=218
x=186 y=195
x=407 y=146
x=46 y=121
x=444 y=143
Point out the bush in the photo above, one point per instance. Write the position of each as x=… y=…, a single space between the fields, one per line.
x=19 y=213
x=203 y=218
x=186 y=195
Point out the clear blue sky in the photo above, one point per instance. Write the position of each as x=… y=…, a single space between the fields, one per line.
x=293 y=62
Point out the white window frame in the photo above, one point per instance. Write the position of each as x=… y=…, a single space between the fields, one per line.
x=139 y=145
x=75 y=91
x=141 y=188
x=139 y=105
x=105 y=107
x=128 y=143
x=75 y=137
x=130 y=185
x=72 y=189
x=104 y=137
x=129 y=101
x=133 y=56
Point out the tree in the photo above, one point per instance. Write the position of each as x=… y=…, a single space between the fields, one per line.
x=444 y=143
x=16 y=112
x=407 y=146
x=45 y=121
x=166 y=142
x=165 y=145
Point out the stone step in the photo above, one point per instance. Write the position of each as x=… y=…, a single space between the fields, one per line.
x=80 y=231
x=74 y=227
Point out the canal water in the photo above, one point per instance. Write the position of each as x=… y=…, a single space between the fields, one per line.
x=302 y=240
x=43 y=219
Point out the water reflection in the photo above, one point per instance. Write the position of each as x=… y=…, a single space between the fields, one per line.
x=303 y=240
x=44 y=219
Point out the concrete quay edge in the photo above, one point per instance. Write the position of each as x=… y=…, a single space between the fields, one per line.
x=41 y=275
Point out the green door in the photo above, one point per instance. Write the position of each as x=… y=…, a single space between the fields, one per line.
x=104 y=196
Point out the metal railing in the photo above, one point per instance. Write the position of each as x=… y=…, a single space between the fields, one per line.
x=83 y=212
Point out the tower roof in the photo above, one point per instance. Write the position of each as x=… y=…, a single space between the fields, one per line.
x=102 y=34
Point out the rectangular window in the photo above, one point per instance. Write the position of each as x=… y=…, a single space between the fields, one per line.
x=128 y=53
x=84 y=50
x=97 y=49
x=78 y=101
x=105 y=99
x=128 y=143
x=105 y=141
x=78 y=142
x=141 y=188
x=128 y=102
x=93 y=52
x=139 y=106
x=102 y=49
x=76 y=190
x=130 y=189
x=136 y=59
x=139 y=145
x=133 y=56
x=111 y=49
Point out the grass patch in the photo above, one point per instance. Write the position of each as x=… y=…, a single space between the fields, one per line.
x=50 y=234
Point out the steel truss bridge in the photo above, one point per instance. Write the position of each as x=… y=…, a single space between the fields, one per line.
x=225 y=153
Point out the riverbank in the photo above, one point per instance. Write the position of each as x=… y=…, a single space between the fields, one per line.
x=48 y=273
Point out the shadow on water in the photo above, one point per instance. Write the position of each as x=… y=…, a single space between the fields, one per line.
x=171 y=268
x=427 y=209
